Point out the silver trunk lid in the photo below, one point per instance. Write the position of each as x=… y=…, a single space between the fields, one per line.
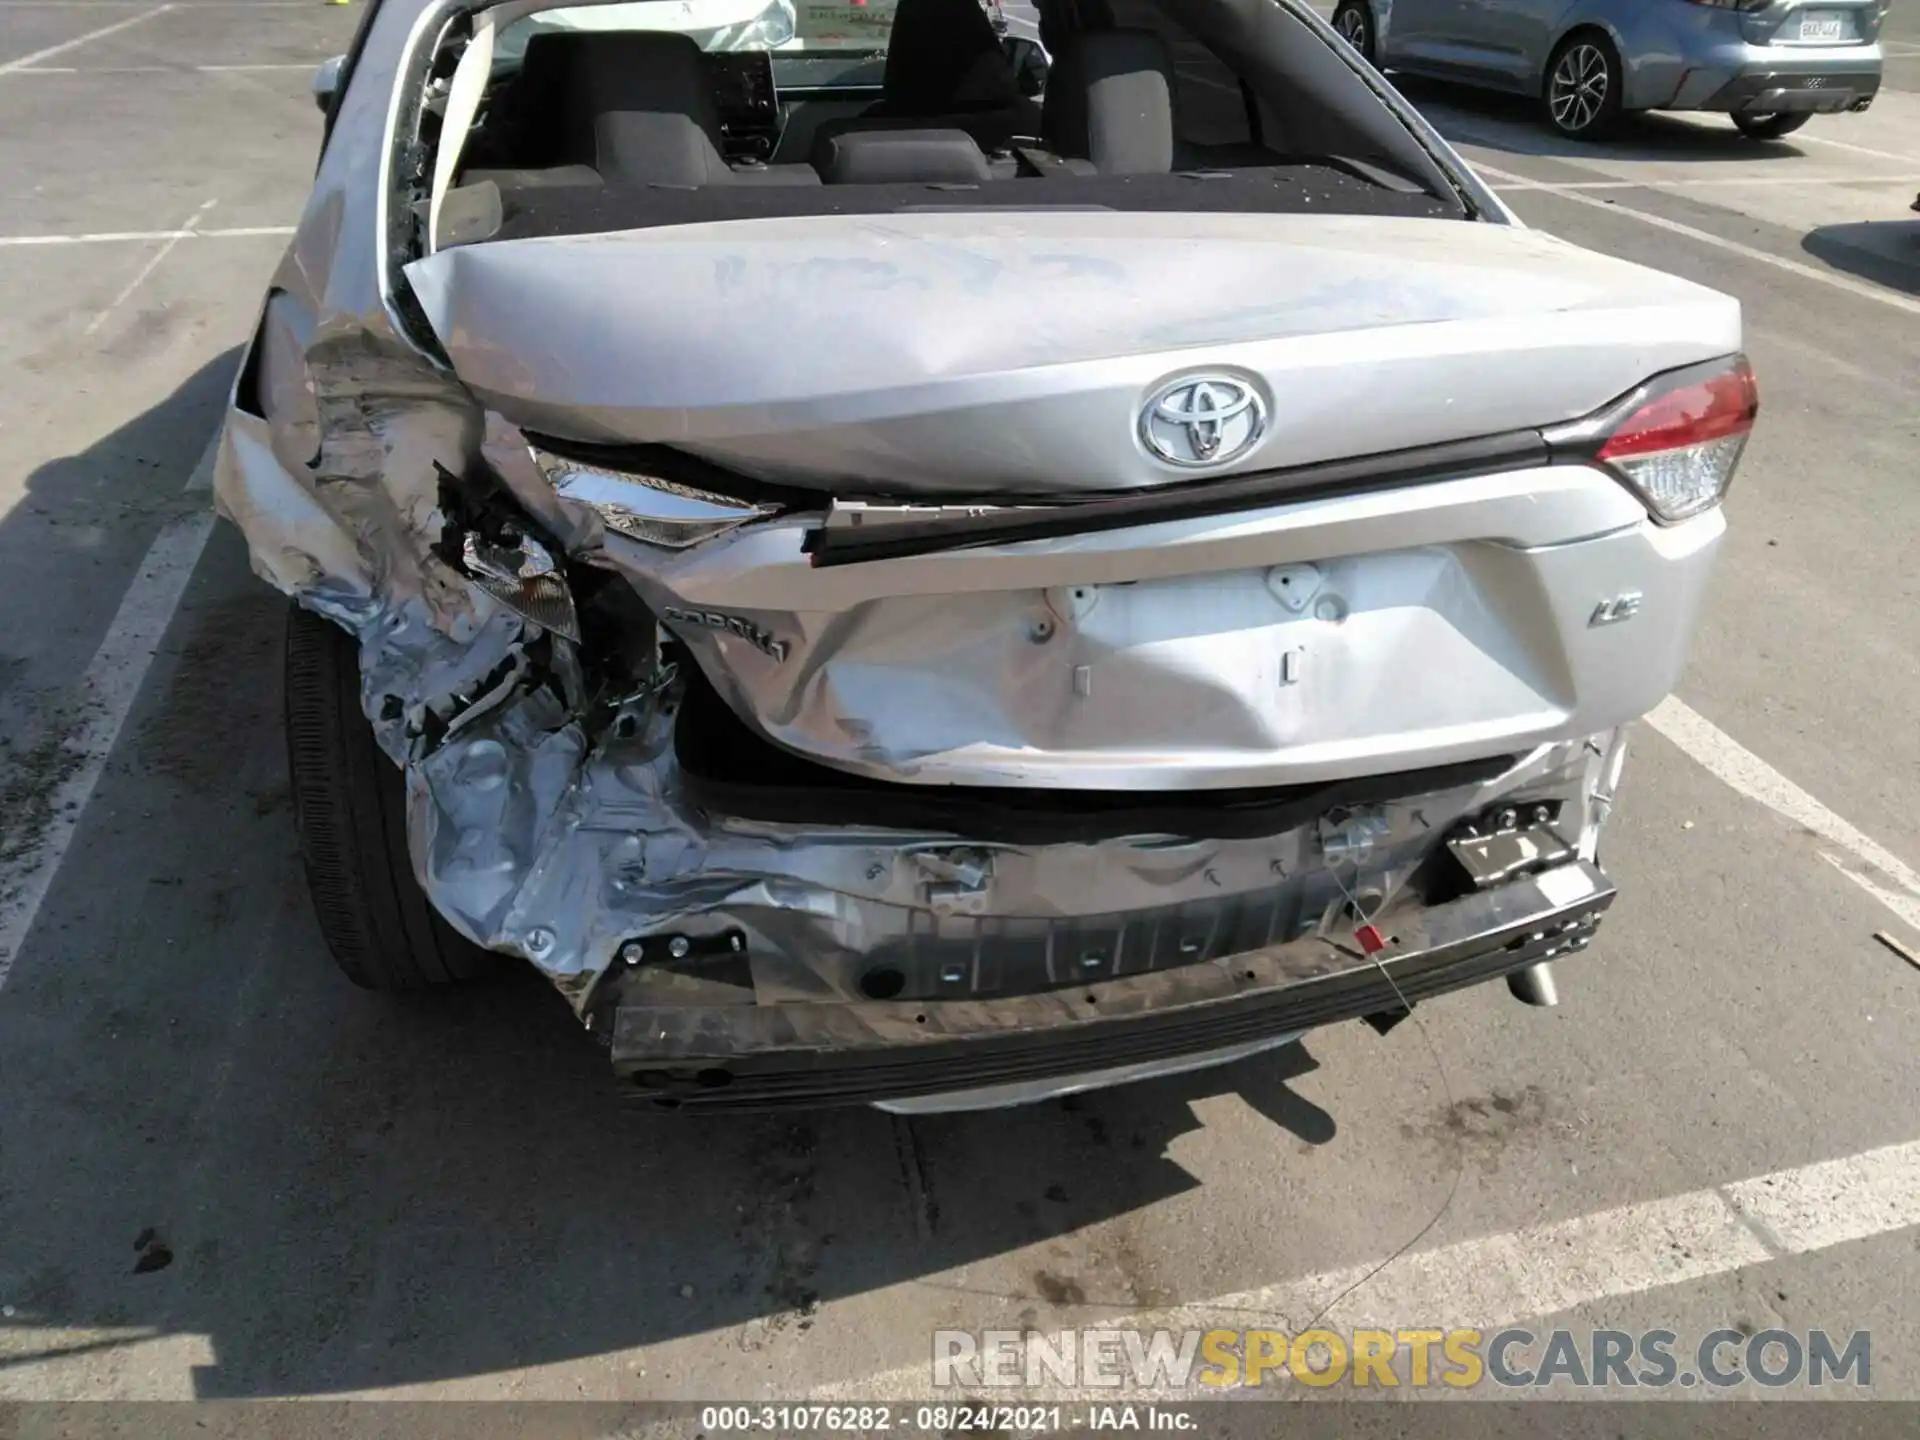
x=975 y=353
x=969 y=354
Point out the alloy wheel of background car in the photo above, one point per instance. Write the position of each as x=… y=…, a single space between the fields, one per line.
x=1768 y=127
x=1354 y=23
x=1583 y=87
x=349 y=810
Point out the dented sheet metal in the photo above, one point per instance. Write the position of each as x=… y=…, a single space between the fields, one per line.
x=1172 y=658
x=990 y=358
x=582 y=851
x=1007 y=354
x=970 y=1053
x=592 y=860
x=547 y=814
x=537 y=834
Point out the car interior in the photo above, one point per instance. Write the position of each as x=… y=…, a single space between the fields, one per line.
x=588 y=130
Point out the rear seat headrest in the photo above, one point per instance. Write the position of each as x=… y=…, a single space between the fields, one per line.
x=885 y=157
x=1110 y=100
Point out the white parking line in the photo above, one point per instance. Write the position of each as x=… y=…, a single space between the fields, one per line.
x=1856 y=149
x=1722 y=182
x=1548 y=1269
x=114 y=237
x=99 y=708
x=1887 y=878
x=147 y=269
x=1459 y=128
x=26 y=61
x=1747 y=252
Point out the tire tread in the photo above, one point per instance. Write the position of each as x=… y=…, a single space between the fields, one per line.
x=349 y=806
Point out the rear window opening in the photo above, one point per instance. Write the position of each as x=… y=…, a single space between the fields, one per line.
x=665 y=112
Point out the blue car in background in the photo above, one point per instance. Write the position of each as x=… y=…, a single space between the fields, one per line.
x=1769 y=64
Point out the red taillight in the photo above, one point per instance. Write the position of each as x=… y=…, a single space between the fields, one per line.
x=1715 y=408
x=1676 y=440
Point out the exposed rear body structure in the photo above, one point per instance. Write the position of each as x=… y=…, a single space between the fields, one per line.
x=887 y=586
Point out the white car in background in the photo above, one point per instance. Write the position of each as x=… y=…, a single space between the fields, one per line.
x=716 y=25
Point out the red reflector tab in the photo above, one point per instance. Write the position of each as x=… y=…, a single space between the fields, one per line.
x=1370 y=938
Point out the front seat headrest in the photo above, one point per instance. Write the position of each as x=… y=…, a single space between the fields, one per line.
x=1061 y=19
x=1110 y=100
x=654 y=117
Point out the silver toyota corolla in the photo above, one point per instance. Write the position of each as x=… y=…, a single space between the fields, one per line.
x=889 y=588
x=1769 y=64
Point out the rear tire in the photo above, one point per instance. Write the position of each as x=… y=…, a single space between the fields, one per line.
x=1768 y=127
x=349 y=809
x=1583 y=86
x=1354 y=23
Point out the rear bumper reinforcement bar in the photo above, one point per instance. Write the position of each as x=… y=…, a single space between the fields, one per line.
x=798 y=1055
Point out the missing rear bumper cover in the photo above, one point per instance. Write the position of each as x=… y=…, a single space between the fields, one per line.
x=769 y=1056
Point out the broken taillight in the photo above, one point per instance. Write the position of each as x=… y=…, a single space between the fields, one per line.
x=647 y=507
x=1676 y=440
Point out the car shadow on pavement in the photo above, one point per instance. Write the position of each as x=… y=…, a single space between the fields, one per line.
x=223 y=1157
x=79 y=531
x=1641 y=135
x=1884 y=251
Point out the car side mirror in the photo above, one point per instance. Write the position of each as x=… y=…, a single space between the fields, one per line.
x=1029 y=63
x=326 y=82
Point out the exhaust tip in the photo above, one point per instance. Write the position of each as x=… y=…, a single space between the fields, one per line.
x=1534 y=985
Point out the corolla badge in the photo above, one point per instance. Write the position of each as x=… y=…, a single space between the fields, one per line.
x=1201 y=420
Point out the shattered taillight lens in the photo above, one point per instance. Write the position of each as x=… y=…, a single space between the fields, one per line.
x=1676 y=440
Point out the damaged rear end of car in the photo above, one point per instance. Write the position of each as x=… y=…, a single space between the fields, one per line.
x=890 y=589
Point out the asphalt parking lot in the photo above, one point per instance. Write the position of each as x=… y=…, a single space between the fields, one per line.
x=228 y=1174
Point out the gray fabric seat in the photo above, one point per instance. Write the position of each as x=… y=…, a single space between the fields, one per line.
x=946 y=70
x=652 y=114
x=1110 y=101
x=511 y=179
x=649 y=109
x=628 y=107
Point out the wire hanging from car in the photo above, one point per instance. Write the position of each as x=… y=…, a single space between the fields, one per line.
x=1446 y=1088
